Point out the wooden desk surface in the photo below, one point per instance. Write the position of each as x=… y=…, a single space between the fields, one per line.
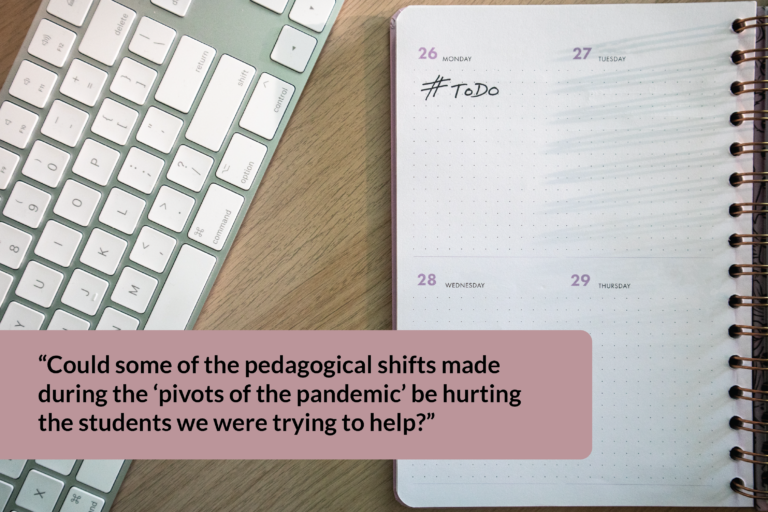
x=313 y=253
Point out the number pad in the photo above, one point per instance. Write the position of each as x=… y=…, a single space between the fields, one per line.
x=52 y=43
x=13 y=246
x=27 y=205
x=115 y=122
x=58 y=243
x=84 y=83
x=77 y=203
x=103 y=252
x=190 y=168
x=122 y=211
x=65 y=123
x=8 y=163
x=46 y=164
x=16 y=125
x=39 y=284
x=33 y=84
x=133 y=81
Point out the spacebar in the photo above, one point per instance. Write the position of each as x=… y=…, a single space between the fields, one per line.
x=182 y=291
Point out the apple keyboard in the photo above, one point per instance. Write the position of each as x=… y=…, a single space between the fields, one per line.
x=133 y=138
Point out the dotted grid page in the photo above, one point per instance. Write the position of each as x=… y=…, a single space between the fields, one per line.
x=567 y=167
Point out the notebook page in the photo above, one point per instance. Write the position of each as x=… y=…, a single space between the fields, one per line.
x=583 y=185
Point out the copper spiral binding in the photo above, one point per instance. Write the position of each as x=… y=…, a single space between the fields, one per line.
x=736 y=270
x=738 y=57
x=738 y=88
x=738 y=454
x=737 y=301
x=738 y=240
x=737 y=118
x=737 y=148
x=736 y=209
x=737 y=423
x=740 y=25
x=737 y=393
x=738 y=486
x=735 y=362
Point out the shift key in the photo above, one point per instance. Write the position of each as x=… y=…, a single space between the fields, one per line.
x=185 y=74
x=216 y=217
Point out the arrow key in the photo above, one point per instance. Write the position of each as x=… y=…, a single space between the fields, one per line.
x=313 y=14
x=294 y=49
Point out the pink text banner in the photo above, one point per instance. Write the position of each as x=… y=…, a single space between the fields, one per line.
x=297 y=395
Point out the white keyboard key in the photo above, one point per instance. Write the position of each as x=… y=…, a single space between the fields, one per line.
x=27 y=205
x=62 y=467
x=77 y=203
x=85 y=292
x=216 y=217
x=134 y=290
x=12 y=468
x=294 y=49
x=113 y=320
x=21 y=318
x=133 y=81
x=8 y=163
x=40 y=492
x=177 y=7
x=241 y=162
x=115 y=122
x=13 y=246
x=96 y=162
x=65 y=123
x=221 y=101
x=78 y=500
x=84 y=83
x=58 y=244
x=190 y=168
x=122 y=211
x=171 y=209
x=182 y=290
x=107 y=32
x=33 y=84
x=141 y=170
x=46 y=164
x=100 y=474
x=185 y=74
x=63 y=321
x=152 y=250
x=313 y=14
x=39 y=284
x=103 y=252
x=152 y=40
x=71 y=11
x=5 y=286
x=266 y=109
x=5 y=494
x=16 y=125
x=52 y=43
x=159 y=130
x=277 y=6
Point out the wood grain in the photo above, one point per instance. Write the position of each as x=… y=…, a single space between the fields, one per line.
x=313 y=253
